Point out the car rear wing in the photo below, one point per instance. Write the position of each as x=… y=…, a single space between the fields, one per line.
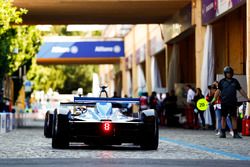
x=107 y=100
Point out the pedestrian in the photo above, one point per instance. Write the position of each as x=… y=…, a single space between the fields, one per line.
x=153 y=101
x=189 y=111
x=210 y=118
x=227 y=89
x=128 y=106
x=161 y=97
x=170 y=105
x=197 y=112
x=172 y=101
x=217 y=109
x=143 y=100
x=115 y=95
x=160 y=108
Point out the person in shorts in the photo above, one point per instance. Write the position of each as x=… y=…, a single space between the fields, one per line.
x=227 y=89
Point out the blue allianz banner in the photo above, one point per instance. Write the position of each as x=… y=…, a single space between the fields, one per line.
x=83 y=49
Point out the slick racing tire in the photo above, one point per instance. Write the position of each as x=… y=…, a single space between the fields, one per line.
x=60 y=131
x=48 y=125
x=150 y=136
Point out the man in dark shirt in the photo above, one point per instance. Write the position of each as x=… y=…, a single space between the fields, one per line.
x=153 y=101
x=227 y=89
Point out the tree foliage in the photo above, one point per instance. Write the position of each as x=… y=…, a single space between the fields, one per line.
x=9 y=15
x=61 y=30
x=63 y=78
x=45 y=77
x=78 y=76
x=18 y=45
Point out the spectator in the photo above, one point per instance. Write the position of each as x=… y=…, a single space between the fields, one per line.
x=209 y=98
x=217 y=108
x=154 y=103
x=115 y=95
x=227 y=89
x=190 y=106
x=172 y=101
x=165 y=108
x=170 y=108
x=160 y=108
x=144 y=101
x=160 y=97
x=197 y=97
x=129 y=107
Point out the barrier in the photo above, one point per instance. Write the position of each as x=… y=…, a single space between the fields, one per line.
x=6 y=122
x=29 y=120
x=10 y=121
x=3 y=122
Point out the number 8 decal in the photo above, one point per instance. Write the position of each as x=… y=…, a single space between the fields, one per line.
x=106 y=126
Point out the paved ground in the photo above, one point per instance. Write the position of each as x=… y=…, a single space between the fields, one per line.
x=121 y=162
x=174 y=144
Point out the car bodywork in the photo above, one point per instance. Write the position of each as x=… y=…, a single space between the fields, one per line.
x=103 y=121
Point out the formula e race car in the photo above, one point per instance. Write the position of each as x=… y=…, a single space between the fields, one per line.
x=103 y=121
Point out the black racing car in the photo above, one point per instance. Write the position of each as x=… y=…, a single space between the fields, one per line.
x=103 y=121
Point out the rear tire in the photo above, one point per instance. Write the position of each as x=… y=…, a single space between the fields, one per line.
x=48 y=125
x=60 y=131
x=150 y=136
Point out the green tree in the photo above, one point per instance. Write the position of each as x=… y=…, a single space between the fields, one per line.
x=61 y=30
x=9 y=15
x=63 y=78
x=45 y=77
x=78 y=76
x=96 y=33
x=19 y=44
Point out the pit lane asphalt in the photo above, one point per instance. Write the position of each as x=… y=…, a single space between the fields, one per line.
x=178 y=147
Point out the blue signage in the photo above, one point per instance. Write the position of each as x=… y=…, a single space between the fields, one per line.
x=84 y=49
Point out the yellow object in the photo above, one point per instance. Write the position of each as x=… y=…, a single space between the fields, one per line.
x=202 y=104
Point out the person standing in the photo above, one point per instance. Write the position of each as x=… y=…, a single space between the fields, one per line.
x=209 y=98
x=170 y=105
x=189 y=111
x=197 y=97
x=227 y=89
x=153 y=101
x=115 y=95
x=144 y=101
x=217 y=109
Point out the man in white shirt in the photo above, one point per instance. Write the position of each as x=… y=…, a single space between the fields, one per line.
x=189 y=111
x=190 y=94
